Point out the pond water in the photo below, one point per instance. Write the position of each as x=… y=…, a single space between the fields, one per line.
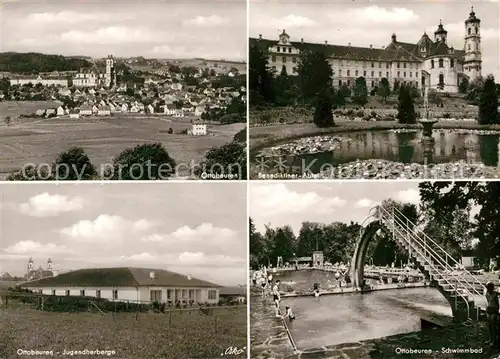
x=403 y=147
x=336 y=319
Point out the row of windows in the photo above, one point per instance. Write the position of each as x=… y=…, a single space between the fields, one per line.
x=469 y=30
x=441 y=63
x=356 y=73
x=294 y=59
x=212 y=294
x=284 y=49
x=375 y=83
x=469 y=47
x=82 y=293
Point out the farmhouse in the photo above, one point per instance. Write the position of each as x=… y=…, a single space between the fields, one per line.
x=198 y=130
x=128 y=284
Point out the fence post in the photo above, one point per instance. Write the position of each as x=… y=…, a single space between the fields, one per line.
x=216 y=323
x=170 y=318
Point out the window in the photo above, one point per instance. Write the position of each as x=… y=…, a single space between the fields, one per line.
x=170 y=293
x=387 y=74
x=399 y=74
x=468 y=47
x=416 y=74
x=191 y=294
x=67 y=292
x=432 y=64
x=380 y=74
x=387 y=66
x=441 y=63
x=397 y=65
x=98 y=293
x=441 y=79
x=372 y=73
x=273 y=58
x=340 y=82
x=115 y=294
x=411 y=73
x=404 y=65
x=284 y=59
x=53 y=292
x=373 y=83
x=294 y=60
x=212 y=294
x=452 y=63
x=155 y=295
x=348 y=72
x=379 y=65
x=404 y=74
x=289 y=50
x=82 y=293
x=364 y=73
x=294 y=70
x=477 y=30
x=278 y=49
x=469 y=30
x=356 y=73
x=348 y=82
x=340 y=72
x=372 y=64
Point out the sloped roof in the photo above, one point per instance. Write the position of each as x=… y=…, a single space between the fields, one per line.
x=233 y=291
x=120 y=277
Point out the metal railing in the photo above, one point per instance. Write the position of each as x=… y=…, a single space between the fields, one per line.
x=461 y=273
x=399 y=224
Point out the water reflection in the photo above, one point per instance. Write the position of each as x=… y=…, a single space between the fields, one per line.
x=407 y=147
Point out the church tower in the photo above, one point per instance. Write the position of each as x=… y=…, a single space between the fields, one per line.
x=440 y=34
x=472 y=60
x=110 y=71
x=30 y=265
x=49 y=264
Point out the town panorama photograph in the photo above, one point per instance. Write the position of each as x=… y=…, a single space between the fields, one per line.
x=123 y=90
x=374 y=90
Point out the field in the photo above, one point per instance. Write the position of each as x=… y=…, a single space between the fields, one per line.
x=28 y=141
x=16 y=108
x=151 y=336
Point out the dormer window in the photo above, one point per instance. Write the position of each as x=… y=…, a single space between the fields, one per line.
x=278 y=49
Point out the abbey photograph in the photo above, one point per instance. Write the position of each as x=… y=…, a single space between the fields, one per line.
x=114 y=270
x=150 y=90
x=378 y=90
x=372 y=270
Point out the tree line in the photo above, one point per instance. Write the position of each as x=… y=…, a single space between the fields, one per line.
x=459 y=216
x=34 y=63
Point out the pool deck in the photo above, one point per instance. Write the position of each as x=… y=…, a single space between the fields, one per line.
x=438 y=343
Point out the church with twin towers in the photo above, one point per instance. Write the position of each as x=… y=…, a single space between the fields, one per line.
x=431 y=62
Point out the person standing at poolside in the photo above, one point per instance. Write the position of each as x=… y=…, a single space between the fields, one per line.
x=492 y=312
x=277 y=298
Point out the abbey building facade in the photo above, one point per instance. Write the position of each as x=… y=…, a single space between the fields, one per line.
x=429 y=63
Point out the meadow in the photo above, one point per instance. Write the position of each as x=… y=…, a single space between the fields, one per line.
x=182 y=335
x=39 y=141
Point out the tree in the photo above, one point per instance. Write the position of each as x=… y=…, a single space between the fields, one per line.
x=338 y=99
x=395 y=88
x=31 y=173
x=74 y=165
x=384 y=90
x=261 y=82
x=314 y=73
x=488 y=103
x=256 y=246
x=323 y=116
x=360 y=95
x=229 y=159
x=143 y=162
x=463 y=87
x=406 y=110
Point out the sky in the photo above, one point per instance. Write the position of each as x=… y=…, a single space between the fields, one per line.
x=197 y=229
x=211 y=29
x=365 y=23
x=288 y=203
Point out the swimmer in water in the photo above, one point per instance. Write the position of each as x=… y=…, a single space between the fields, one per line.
x=316 y=292
x=288 y=313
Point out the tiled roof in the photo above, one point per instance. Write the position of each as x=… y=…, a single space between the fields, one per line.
x=395 y=51
x=233 y=291
x=120 y=277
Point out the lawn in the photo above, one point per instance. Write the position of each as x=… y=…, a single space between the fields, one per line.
x=16 y=108
x=40 y=141
x=151 y=336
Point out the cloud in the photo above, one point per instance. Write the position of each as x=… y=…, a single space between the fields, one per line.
x=294 y=21
x=141 y=257
x=365 y=203
x=47 y=205
x=205 y=231
x=408 y=196
x=30 y=247
x=105 y=227
x=273 y=198
x=110 y=35
x=206 y=21
x=71 y=17
x=200 y=258
x=380 y=15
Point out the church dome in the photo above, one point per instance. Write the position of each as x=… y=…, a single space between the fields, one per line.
x=472 y=17
x=440 y=30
